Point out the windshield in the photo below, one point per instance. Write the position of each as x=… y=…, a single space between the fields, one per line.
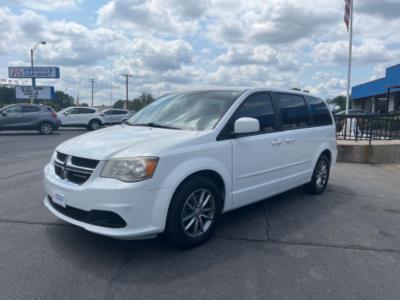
x=198 y=110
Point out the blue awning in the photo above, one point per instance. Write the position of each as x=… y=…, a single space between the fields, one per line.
x=378 y=87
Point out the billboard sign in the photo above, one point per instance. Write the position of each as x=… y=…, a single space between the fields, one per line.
x=37 y=72
x=37 y=92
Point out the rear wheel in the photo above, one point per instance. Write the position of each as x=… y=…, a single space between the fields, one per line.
x=193 y=213
x=46 y=128
x=320 y=177
x=94 y=125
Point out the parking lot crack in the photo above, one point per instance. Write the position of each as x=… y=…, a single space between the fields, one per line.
x=311 y=244
x=21 y=173
x=267 y=220
x=125 y=261
x=34 y=223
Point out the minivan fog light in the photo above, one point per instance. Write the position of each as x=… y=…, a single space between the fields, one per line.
x=130 y=169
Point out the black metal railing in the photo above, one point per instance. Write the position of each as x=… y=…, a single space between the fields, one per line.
x=368 y=127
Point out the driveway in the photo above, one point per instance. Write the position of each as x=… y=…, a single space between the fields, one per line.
x=342 y=244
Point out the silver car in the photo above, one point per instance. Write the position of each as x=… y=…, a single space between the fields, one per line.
x=116 y=116
x=29 y=117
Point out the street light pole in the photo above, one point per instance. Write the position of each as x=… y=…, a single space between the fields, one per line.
x=92 y=80
x=111 y=84
x=126 y=89
x=33 y=75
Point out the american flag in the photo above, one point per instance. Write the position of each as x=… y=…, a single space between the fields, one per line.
x=347 y=13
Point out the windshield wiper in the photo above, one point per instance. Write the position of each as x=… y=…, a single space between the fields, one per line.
x=155 y=125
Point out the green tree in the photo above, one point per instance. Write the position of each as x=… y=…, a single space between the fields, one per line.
x=61 y=100
x=299 y=90
x=7 y=96
x=119 y=104
x=137 y=103
x=339 y=101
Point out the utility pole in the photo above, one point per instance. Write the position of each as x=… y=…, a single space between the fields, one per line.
x=111 y=85
x=126 y=87
x=33 y=75
x=92 y=80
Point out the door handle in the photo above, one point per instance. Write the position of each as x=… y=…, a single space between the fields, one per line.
x=289 y=140
x=276 y=142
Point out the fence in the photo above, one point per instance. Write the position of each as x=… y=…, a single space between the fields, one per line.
x=368 y=127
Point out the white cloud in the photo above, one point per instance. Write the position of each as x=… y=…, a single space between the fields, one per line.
x=178 y=44
x=49 y=5
x=336 y=52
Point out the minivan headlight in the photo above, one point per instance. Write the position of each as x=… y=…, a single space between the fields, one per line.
x=130 y=169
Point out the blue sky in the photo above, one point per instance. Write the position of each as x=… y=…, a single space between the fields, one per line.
x=172 y=45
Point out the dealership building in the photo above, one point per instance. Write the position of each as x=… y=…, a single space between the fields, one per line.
x=381 y=95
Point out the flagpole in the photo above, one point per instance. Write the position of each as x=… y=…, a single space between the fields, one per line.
x=350 y=54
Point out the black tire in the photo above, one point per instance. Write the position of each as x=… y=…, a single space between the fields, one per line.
x=175 y=232
x=320 y=177
x=46 y=128
x=94 y=125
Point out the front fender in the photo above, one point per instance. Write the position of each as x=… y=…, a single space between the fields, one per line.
x=194 y=165
x=183 y=171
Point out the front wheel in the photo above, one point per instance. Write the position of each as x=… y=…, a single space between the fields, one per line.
x=46 y=128
x=193 y=213
x=320 y=177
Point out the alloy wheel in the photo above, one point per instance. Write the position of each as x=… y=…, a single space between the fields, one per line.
x=321 y=174
x=46 y=128
x=198 y=212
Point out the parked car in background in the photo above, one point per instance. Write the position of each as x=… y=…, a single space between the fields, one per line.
x=29 y=117
x=87 y=117
x=116 y=116
x=184 y=159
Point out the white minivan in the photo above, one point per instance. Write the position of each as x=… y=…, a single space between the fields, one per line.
x=184 y=159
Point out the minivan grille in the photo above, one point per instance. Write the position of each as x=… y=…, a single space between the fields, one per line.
x=74 y=169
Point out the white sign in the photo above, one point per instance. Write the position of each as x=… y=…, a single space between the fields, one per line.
x=37 y=72
x=39 y=92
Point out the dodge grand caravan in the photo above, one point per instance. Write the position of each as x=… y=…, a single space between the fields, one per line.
x=180 y=162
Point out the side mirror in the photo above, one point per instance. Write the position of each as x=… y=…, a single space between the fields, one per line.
x=65 y=113
x=246 y=125
x=4 y=114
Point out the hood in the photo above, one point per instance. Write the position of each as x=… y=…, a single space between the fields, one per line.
x=132 y=140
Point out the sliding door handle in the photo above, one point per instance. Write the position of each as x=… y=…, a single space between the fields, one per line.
x=276 y=142
x=289 y=140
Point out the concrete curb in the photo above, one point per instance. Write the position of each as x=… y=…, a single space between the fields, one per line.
x=363 y=153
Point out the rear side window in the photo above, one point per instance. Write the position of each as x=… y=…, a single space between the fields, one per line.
x=73 y=111
x=258 y=106
x=120 y=112
x=29 y=109
x=294 y=112
x=319 y=111
x=83 y=110
x=12 y=109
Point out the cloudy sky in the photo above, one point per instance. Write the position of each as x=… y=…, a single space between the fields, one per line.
x=181 y=44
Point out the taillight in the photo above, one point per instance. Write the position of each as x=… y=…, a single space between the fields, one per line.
x=53 y=114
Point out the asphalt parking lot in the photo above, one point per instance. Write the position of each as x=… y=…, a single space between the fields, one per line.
x=342 y=244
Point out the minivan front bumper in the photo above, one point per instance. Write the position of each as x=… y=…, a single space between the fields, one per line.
x=143 y=210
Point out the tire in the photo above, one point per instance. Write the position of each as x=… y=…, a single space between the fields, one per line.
x=320 y=177
x=196 y=205
x=46 y=128
x=94 y=125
